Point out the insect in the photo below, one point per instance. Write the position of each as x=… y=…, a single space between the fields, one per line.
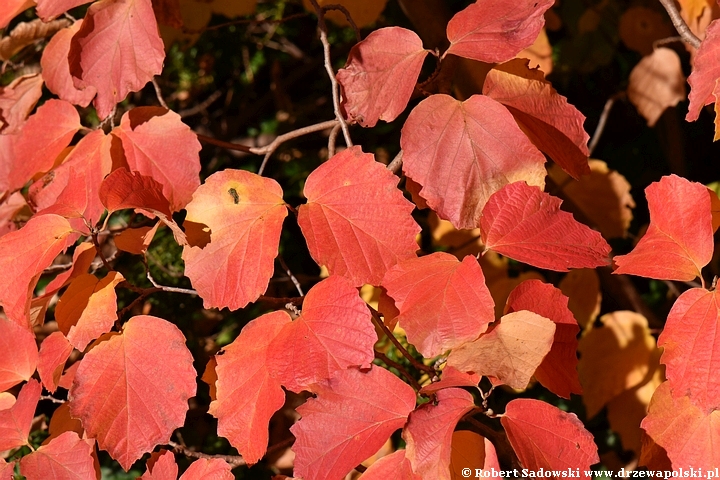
x=233 y=193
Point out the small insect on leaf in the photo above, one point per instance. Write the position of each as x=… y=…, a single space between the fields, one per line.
x=233 y=193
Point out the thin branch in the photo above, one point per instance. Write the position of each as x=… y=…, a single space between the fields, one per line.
x=331 y=140
x=143 y=295
x=292 y=277
x=399 y=368
x=200 y=106
x=269 y=149
x=418 y=365
x=680 y=25
x=158 y=94
x=348 y=17
x=602 y=122
x=52 y=399
x=396 y=163
x=331 y=73
x=98 y=249
x=234 y=460
x=170 y=289
x=665 y=41
x=225 y=145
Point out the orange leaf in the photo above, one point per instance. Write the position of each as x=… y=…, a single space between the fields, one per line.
x=510 y=352
x=16 y=419
x=361 y=239
x=136 y=240
x=54 y=351
x=244 y=214
x=132 y=391
x=463 y=152
x=117 y=51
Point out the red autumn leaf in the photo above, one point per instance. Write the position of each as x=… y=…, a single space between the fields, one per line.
x=158 y=144
x=352 y=416
x=526 y=224
x=690 y=342
x=136 y=240
x=88 y=307
x=244 y=213
x=443 y=302
x=54 y=351
x=208 y=469
x=705 y=72
x=333 y=332
x=363 y=238
x=496 y=30
x=429 y=432
x=7 y=470
x=40 y=240
x=17 y=101
x=12 y=206
x=679 y=241
x=544 y=436
x=56 y=69
x=452 y=377
x=74 y=184
x=49 y=9
x=132 y=391
x=83 y=257
x=67 y=457
x=248 y=392
x=117 y=51
x=463 y=152
x=689 y=434
x=553 y=125
x=11 y=8
x=162 y=468
x=511 y=352
x=380 y=75
x=123 y=189
x=45 y=134
x=558 y=370
x=15 y=421
x=391 y=467
x=21 y=364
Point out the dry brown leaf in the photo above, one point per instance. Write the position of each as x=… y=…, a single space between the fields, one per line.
x=656 y=83
x=539 y=53
x=614 y=358
x=603 y=196
x=363 y=12
x=582 y=287
x=26 y=33
x=640 y=27
x=471 y=450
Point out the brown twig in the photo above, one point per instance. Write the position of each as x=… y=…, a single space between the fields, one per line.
x=158 y=94
x=188 y=112
x=348 y=17
x=418 y=365
x=331 y=73
x=269 y=149
x=143 y=295
x=234 y=460
x=331 y=140
x=225 y=145
x=98 y=249
x=680 y=25
x=391 y=363
x=396 y=163
x=603 y=121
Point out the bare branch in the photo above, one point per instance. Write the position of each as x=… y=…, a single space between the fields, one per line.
x=269 y=149
x=331 y=73
x=158 y=94
x=170 y=289
x=52 y=399
x=292 y=277
x=233 y=460
x=603 y=121
x=335 y=6
x=396 y=163
x=680 y=24
x=200 y=106
x=331 y=140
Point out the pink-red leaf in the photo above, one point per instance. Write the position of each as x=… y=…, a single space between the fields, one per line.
x=66 y=457
x=391 y=467
x=352 y=416
x=429 y=432
x=558 y=370
x=208 y=469
x=380 y=75
x=20 y=365
x=689 y=434
x=463 y=152
x=117 y=51
x=40 y=240
x=333 y=332
x=363 y=238
x=248 y=393
x=17 y=101
x=544 y=436
x=49 y=9
x=553 y=125
x=690 y=341
x=443 y=302
x=705 y=72
x=526 y=224
x=452 y=377
x=158 y=144
x=496 y=30
x=45 y=134
x=15 y=421
x=56 y=69
x=7 y=470
x=511 y=352
x=123 y=189
x=54 y=351
x=244 y=213
x=679 y=241
x=132 y=391
x=161 y=467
